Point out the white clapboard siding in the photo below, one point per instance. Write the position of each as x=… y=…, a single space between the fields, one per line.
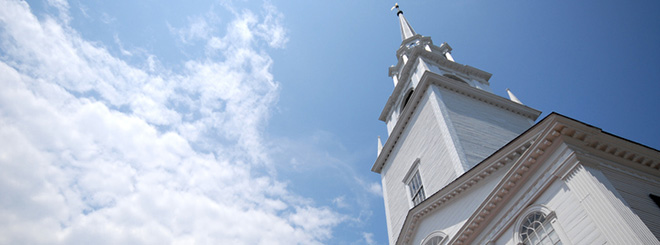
x=635 y=192
x=422 y=139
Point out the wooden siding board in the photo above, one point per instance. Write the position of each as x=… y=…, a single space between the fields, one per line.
x=481 y=128
x=635 y=192
x=425 y=139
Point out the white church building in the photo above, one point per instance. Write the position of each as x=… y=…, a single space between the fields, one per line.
x=462 y=165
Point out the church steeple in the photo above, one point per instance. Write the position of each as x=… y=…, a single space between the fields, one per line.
x=442 y=120
x=406 y=30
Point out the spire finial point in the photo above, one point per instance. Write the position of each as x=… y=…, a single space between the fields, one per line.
x=406 y=30
x=396 y=6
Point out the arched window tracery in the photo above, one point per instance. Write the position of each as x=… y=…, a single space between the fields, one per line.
x=537 y=229
x=435 y=238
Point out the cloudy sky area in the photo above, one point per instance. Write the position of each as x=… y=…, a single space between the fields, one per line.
x=236 y=122
x=99 y=147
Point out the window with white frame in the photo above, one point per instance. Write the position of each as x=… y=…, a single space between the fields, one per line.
x=416 y=188
x=413 y=182
x=536 y=228
x=435 y=238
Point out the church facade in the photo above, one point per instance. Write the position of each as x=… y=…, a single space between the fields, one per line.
x=462 y=165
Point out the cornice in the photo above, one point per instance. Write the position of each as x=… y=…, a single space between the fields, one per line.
x=483 y=96
x=592 y=140
x=640 y=158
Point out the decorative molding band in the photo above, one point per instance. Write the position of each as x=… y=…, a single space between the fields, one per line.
x=483 y=96
x=609 y=148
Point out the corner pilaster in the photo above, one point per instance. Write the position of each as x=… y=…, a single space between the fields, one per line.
x=598 y=196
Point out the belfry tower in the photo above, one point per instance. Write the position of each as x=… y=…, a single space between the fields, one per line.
x=442 y=119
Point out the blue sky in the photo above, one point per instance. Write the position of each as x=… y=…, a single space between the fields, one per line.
x=249 y=122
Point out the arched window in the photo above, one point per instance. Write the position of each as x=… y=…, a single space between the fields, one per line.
x=536 y=229
x=435 y=238
x=406 y=98
x=535 y=226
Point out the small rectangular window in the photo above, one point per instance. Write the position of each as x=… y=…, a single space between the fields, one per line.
x=416 y=189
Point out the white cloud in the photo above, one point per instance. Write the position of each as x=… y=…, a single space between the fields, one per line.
x=107 y=18
x=368 y=238
x=321 y=158
x=94 y=150
x=376 y=189
x=340 y=202
x=62 y=7
x=121 y=46
x=198 y=29
x=271 y=28
x=315 y=221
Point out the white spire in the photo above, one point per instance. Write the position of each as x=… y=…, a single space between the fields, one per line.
x=513 y=97
x=380 y=146
x=406 y=30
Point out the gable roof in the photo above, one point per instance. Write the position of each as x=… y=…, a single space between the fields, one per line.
x=520 y=155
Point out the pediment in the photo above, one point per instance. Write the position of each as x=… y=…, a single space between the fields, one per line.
x=553 y=156
x=555 y=135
